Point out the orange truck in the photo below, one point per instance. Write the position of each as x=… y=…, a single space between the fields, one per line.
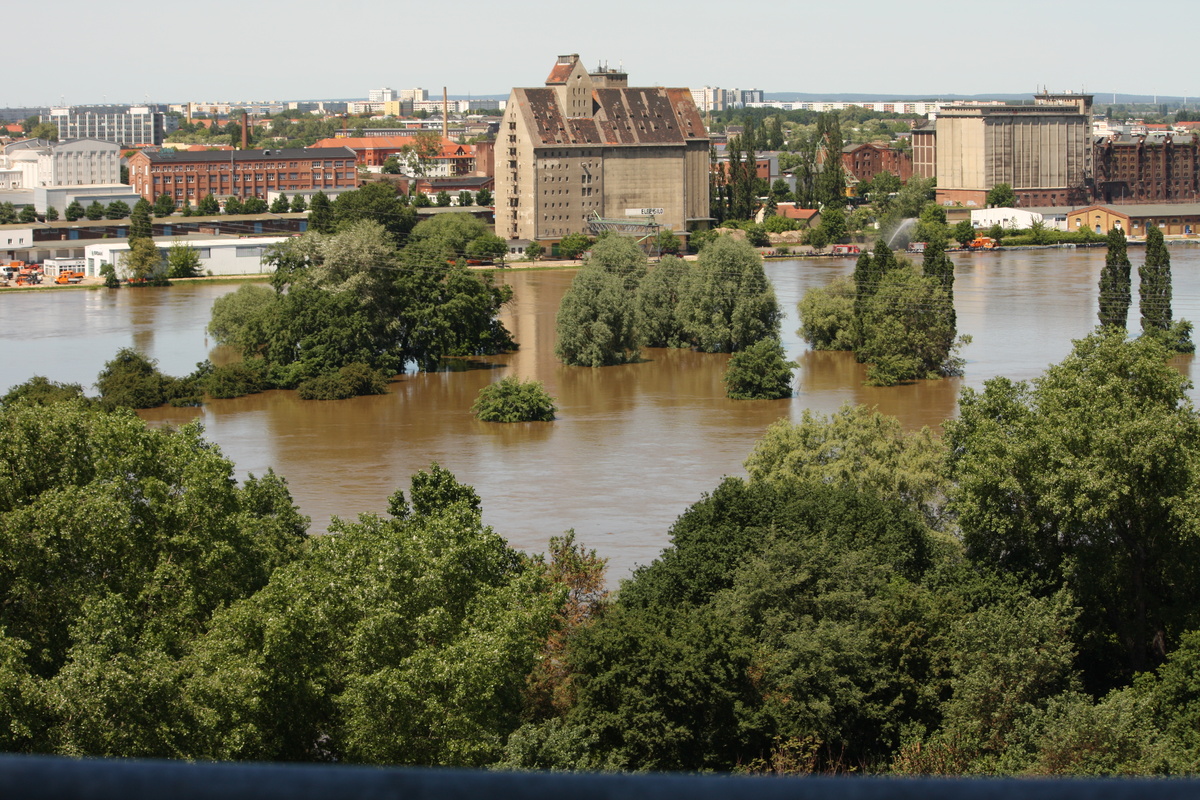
x=982 y=243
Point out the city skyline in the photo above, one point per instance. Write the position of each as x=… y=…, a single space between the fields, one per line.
x=227 y=52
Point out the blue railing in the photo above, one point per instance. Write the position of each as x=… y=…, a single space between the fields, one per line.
x=46 y=777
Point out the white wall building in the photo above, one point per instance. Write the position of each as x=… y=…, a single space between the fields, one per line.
x=225 y=256
x=1010 y=218
x=383 y=95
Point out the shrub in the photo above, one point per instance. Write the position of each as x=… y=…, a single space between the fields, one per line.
x=238 y=379
x=760 y=372
x=827 y=315
x=130 y=380
x=352 y=380
x=514 y=400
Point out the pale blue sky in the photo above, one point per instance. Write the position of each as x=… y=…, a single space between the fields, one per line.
x=225 y=50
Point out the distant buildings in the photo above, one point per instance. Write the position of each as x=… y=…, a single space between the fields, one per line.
x=1042 y=150
x=1147 y=169
x=712 y=98
x=243 y=174
x=128 y=126
x=450 y=160
x=865 y=161
x=587 y=147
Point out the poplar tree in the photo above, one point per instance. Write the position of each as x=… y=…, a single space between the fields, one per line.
x=1115 y=283
x=140 y=226
x=1155 y=286
x=937 y=265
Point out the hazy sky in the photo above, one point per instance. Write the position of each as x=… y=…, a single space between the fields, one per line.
x=266 y=50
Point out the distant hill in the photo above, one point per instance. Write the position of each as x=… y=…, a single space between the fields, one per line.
x=1101 y=98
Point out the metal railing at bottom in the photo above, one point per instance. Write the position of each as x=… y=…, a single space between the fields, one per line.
x=46 y=777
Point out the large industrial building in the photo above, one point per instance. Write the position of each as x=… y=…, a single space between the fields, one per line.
x=588 y=152
x=1042 y=150
x=189 y=176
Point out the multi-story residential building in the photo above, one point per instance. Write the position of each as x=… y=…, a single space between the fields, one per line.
x=240 y=173
x=1147 y=169
x=383 y=95
x=712 y=98
x=865 y=161
x=1041 y=150
x=924 y=150
x=588 y=146
x=127 y=126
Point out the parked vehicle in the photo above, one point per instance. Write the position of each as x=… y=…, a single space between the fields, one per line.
x=845 y=250
x=69 y=277
x=982 y=243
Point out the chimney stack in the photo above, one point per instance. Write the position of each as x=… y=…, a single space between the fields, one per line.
x=445 y=114
x=245 y=132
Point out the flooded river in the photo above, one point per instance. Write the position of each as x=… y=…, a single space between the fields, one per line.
x=633 y=446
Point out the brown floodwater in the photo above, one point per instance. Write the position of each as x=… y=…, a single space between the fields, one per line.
x=633 y=445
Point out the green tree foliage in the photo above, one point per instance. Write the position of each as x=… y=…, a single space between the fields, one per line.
x=208 y=206
x=513 y=400
x=320 y=214
x=237 y=379
x=534 y=251
x=483 y=198
x=596 y=323
x=442 y=200
x=452 y=234
x=377 y=202
x=74 y=211
x=660 y=298
x=183 y=261
x=164 y=205
x=42 y=391
x=1154 y=292
x=964 y=232
x=298 y=204
x=827 y=315
x=573 y=245
x=131 y=380
x=907 y=329
x=45 y=130
x=352 y=380
x=488 y=247
x=391 y=166
x=833 y=225
x=254 y=205
x=118 y=543
x=1115 y=290
x=858 y=448
x=140 y=226
x=402 y=640
x=465 y=199
x=143 y=262
x=233 y=205
x=280 y=204
x=830 y=182
x=352 y=298
x=1001 y=196
x=51 y=214
x=730 y=305
x=759 y=372
x=94 y=211
x=28 y=214
x=1086 y=478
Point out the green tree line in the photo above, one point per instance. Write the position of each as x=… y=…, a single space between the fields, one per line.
x=1019 y=596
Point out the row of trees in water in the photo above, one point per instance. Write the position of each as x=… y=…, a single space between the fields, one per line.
x=1020 y=596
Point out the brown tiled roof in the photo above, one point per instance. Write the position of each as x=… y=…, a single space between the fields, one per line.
x=625 y=115
x=559 y=74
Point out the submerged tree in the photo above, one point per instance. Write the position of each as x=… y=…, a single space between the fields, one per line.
x=1115 y=282
x=1154 y=291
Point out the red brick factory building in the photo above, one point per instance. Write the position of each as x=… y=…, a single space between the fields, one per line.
x=240 y=173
